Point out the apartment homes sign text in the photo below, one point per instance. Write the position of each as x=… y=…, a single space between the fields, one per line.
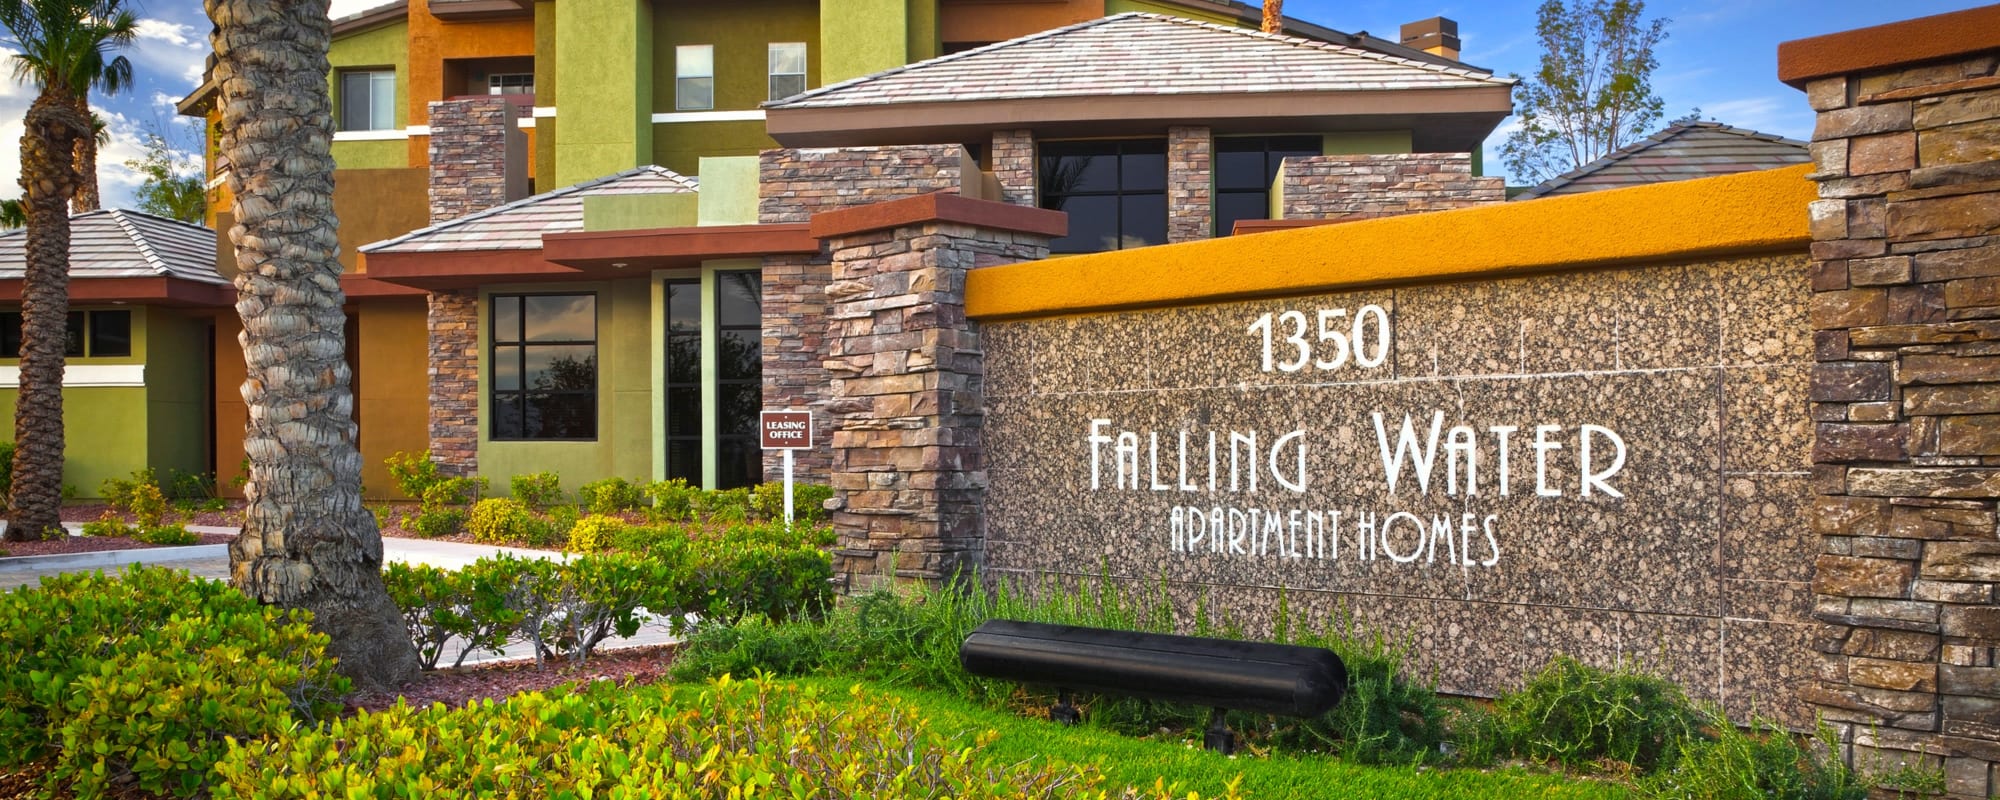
x=1265 y=474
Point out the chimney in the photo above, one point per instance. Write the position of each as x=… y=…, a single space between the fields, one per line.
x=479 y=156
x=1437 y=36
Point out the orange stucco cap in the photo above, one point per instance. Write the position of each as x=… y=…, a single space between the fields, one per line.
x=1923 y=39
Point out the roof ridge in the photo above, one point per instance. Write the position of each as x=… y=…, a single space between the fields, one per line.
x=1673 y=131
x=1317 y=45
x=653 y=169
x=138 y=240
x=948 y=57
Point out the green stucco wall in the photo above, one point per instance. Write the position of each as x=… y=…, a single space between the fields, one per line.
x=111 y=431
x=626 y=212
x=624 y=402
x=923 y=30
x=386 y=46
x=1366 y=143
x=177 y=379
x=858 y=37
x=728 y=191
x=741 y=33
x=604 y=62
x=1121 y=6
x=680 y=146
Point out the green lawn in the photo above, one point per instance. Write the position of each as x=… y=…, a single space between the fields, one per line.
x=1136 y=762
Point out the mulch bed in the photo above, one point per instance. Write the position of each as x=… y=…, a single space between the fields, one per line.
x=229 y=517
x=458 y=687
x=93 y=544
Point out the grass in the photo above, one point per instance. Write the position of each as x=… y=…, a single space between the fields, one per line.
x=1126 y=761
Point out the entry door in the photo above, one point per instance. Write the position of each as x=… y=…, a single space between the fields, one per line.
x=713 y=378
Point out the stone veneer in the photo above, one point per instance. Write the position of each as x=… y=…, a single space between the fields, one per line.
x=1190 y=184
x=478 y=157
x=794 y=185
x=454 y=380
x=907 y=399
x=1012 y=161
x=1906 y=397
x=1368 y=186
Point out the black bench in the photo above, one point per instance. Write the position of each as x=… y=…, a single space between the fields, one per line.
x=1224 y=674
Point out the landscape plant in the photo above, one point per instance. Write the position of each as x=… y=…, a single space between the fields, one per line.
x=537 y=489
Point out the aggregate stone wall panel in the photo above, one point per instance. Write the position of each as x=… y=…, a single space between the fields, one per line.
x=1613 y=464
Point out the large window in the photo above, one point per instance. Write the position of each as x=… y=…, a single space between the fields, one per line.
x=89 y=334
x=694 y=77
x=1115 y=193
x=544 y=357
x=368 y=100
x=788 y=69
x=683 y=385
x=511 y=83
x=1245 y=167
x=739 y=353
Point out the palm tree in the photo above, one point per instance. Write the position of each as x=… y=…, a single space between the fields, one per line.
x=12 y=215
x=307 y=542
x=64 y=48
x=87 y=197
x=1274 y=16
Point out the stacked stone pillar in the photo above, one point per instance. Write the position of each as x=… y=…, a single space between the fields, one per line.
x=1190 y=184
x=1012 y=158
x=1906 y=392
x=908 y=384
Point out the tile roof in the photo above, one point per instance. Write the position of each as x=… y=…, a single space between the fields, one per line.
x=520 y=225
x=117 y=243
x=1682 y=151
x=1136 y=53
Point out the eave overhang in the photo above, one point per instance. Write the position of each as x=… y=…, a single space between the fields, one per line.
x=1440 y=120
x=156 y=291
x=671 y=248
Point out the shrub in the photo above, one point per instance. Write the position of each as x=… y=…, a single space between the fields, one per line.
x=148 y=505
x=808 y=501
x=537 y=489
x=167 y=535
x=108 y=524
x=673 y=499
x=610 y=496
x=499 y=520
x=451 y=492
x=414 y=473
x=724 y=506
x=754 y=644
x=736 y=739
x=1385 y=717
x=142 y=677
x=731 y=582
x=594 y=533
x=1763 y=762
x=6 y=475
x=193 y=486
x=433 y=523
x=1575 y=714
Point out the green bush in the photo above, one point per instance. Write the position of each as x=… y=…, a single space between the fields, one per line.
x=414 y=473
x=594 y=533
x=774 y=581
x=724 y=506
x=118 y=492
x=808 y=501
x=452 y=492
x=143 y=677
x=434 y=523
x=167 y=535
x=736 y=739
x=182 y=485
x=1577 y=715
x=6 y=475
x=469 y=605
x=537 y=489
x=499 y=520
x=753 y=645
x=610 y=496
x=1763 y=762
x=673 y=499
x=560 y=520
x=108 y=524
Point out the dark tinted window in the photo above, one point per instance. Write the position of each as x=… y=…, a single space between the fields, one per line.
x=739 y=328
x=544 y=358
x=683 y=385
x=1114 y=192
x=86 y=334
x=1245 y=167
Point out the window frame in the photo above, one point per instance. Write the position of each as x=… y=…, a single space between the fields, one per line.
x=682 y=76
x=80 y=322
x=526 y=87
x=521 y=345
x=346 y=105
x=1043 y=197
x=771 y=73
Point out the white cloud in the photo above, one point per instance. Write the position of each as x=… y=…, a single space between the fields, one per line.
x=172 y=33
x=343 y=8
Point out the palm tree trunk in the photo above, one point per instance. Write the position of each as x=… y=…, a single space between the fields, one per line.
x=87 y=197
x=1274 y=16
x=307 y=541
x=47 y=182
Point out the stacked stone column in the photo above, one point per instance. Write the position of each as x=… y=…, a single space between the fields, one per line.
x=1190 y=184
x=908 y=385
x=454 y=380
x=1906 y=403
x=1012 y=158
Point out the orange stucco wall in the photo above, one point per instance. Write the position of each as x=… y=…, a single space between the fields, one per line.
x=997 y=22
x=433 y=40
x=390 y=383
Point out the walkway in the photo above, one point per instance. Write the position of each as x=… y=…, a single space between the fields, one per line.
x=212 y=561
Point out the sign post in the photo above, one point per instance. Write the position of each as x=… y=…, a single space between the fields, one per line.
x=787 y=431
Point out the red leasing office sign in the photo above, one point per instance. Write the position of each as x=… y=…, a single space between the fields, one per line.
x=785 y=430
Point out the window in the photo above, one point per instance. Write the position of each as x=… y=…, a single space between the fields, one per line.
x=368 y=100
x=511 y=83
x=739 y=329
x=89 y=334
x=788 y=69
x=544 y=358
x=714 y=383
x=1245 y=167
x=1115 y=193
x=694 y=77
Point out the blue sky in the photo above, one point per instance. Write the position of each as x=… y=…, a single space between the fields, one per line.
x=1720 y=56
